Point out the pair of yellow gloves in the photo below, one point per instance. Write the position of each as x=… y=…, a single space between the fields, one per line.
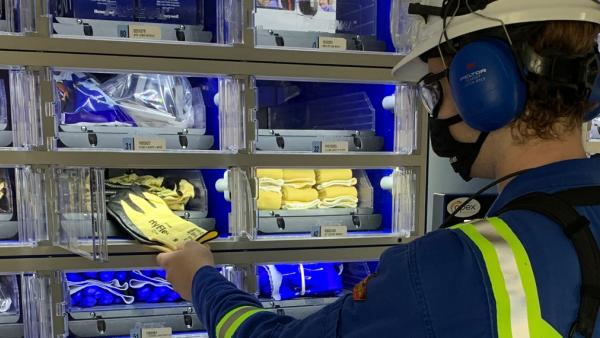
x=147 y=214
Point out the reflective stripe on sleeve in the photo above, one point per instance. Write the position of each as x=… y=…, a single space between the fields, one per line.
x=234 y=319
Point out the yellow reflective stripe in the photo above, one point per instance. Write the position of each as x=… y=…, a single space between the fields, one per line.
x=519 y=321
x=238 y=322
x=534 y=312
x=547 y=331
x=496 y=279
x=233 y=319
x=518 y=280
x=226 y=318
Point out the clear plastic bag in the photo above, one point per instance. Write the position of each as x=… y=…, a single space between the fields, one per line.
x=8 y=294
x=157 y=100
x=84 y=103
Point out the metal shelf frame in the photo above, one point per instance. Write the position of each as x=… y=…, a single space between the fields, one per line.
x=42 y=40
x=40 y=52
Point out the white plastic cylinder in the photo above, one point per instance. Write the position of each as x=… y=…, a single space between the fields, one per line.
x=389 y=102
x=217 y=99
x=387 y=183
x=222 y=185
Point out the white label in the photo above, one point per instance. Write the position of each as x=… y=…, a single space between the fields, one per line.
x=142 y=144
x=469 y=210
x=332 y=43
x=334 y=147
x=334 y=231
x=151 y=332
x=161 y=332
x=144 y=32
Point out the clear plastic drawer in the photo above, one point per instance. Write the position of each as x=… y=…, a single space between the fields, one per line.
x=316 y=203
x=96 y=207
x=333 y=25
x=183 y=21
x=302 y=116
x=17 y=16
x=24 y=305
x=11 y=323
x=22 y=207
x=113 y=303
x=19 y=107
x=301 y=289
x=147 y=112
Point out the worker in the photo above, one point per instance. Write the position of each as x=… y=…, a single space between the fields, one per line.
x=511 y=83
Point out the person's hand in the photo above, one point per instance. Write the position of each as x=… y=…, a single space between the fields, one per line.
x=181 y=266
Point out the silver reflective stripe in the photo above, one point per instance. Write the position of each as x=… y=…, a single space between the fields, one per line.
x=512 y=278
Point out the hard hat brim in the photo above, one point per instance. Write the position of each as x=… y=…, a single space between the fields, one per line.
x=411 y=68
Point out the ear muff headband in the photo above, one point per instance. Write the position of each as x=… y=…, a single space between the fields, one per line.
x=487 y=84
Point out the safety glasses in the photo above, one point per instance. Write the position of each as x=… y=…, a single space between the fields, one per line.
x=431 y=92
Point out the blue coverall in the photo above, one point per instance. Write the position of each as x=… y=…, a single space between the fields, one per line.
x=436 y=286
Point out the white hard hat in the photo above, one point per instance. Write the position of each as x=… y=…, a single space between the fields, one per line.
x=509 y=12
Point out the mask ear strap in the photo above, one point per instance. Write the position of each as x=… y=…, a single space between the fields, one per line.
x=456 y=119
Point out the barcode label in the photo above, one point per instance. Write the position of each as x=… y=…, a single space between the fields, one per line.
x=144 y=32
x=158 y=332
x=334 y=147
x=334 y=231
x=332 y=43
x=143 y=144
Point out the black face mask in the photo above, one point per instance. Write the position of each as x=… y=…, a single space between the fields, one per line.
x=461 y=155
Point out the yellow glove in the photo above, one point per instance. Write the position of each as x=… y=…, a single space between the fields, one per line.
x=178 y=198
x=2 y=189
x=131 y=179
x=147 y=216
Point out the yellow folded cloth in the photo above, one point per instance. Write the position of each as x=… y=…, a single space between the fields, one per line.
x=269 y=182
x=326 y=175
x=343 y=183
x=275 y=174
x=299 y=178
x=299 y=195
x=271 y=188
x=293 y=205
x=340 y=202
x=268 y=200
x=337 y=191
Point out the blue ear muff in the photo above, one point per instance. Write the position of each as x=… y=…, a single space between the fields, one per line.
x=487 y=85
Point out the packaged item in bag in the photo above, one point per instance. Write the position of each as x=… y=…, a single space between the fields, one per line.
x=180 y=12
x=121 y=10
x=83 y=102
x=158 y=100
x=289 y=281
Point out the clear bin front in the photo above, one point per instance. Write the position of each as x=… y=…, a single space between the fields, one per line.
x=22 y=207
x=333 y=25
x=301 y=289
x=24 y=305
x=19 y=107
x=113 y=303
x=329 y=117
x=17 y=16
x=145 y=112
x=134 y=204
x=338 y=202
x=183 y=21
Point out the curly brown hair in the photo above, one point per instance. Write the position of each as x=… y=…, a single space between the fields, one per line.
x=547 y=113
